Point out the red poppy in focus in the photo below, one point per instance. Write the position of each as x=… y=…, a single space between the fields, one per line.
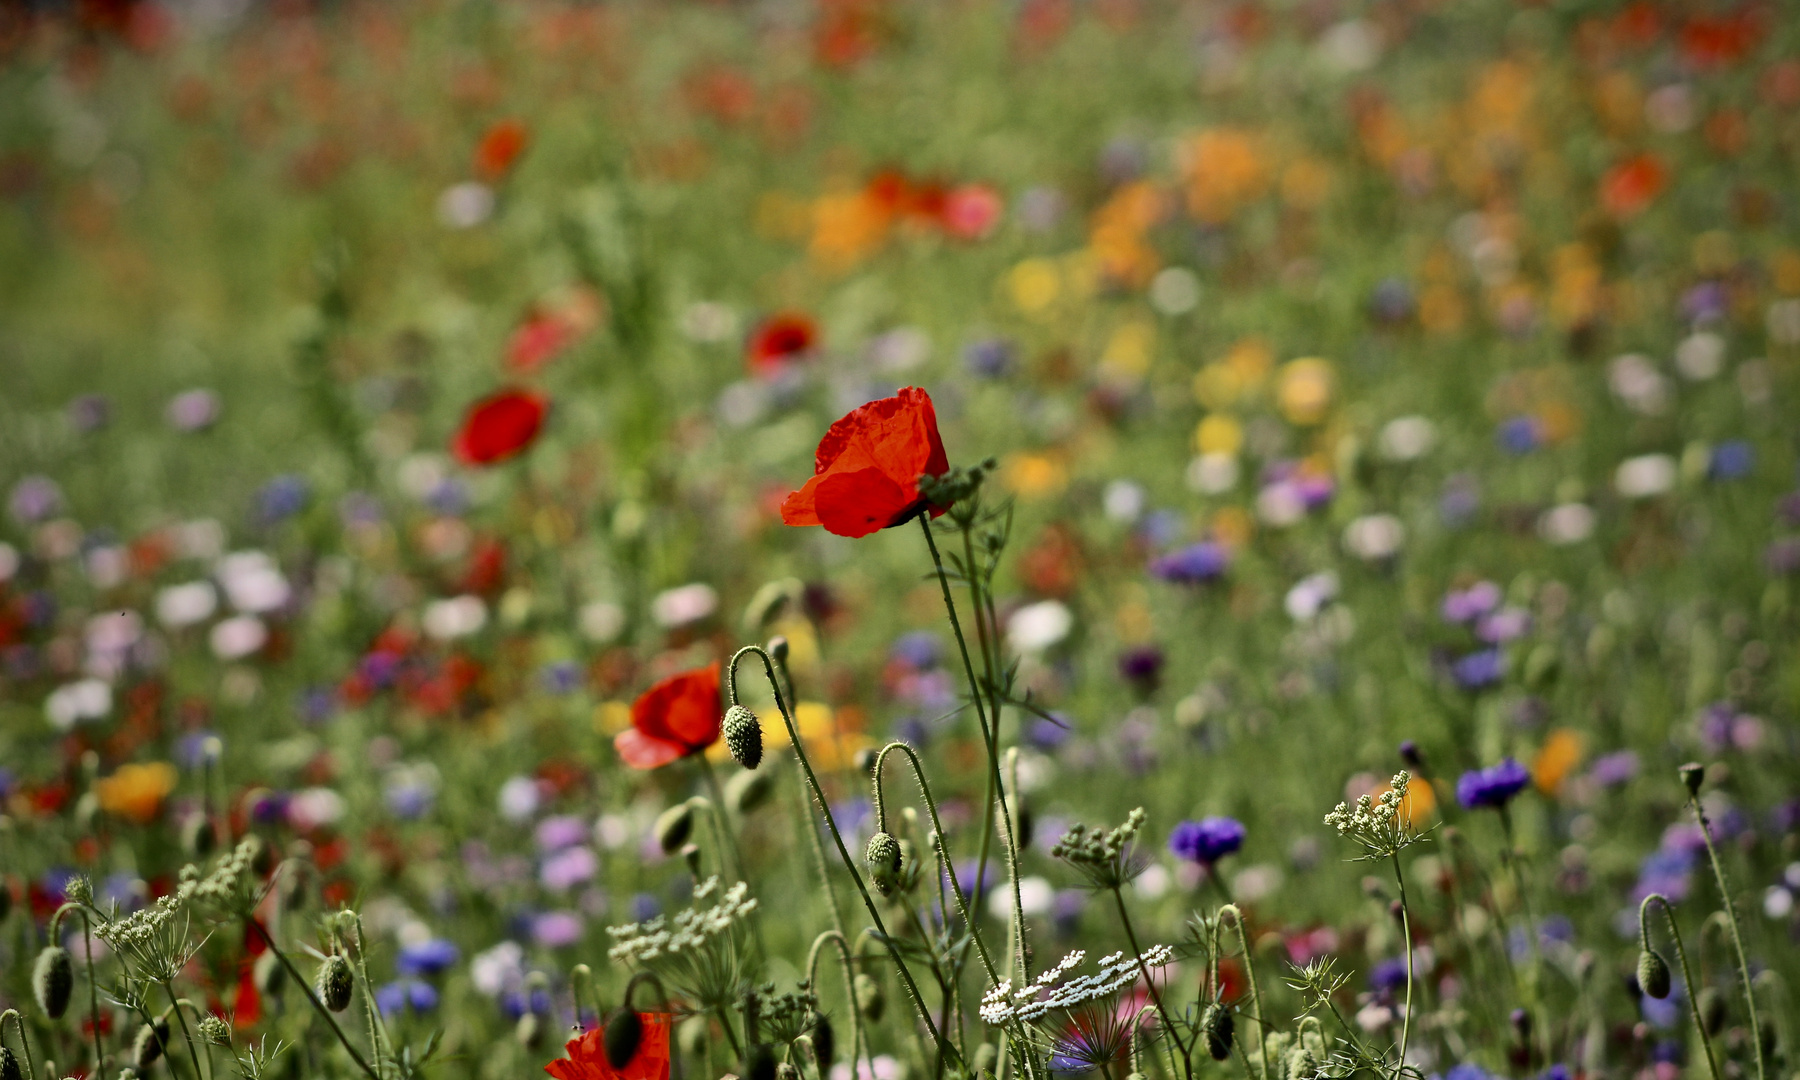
x=1632 y=185
x=676 y=717
x=499 y=427
x=866 y=472
x=499 y=147
x=781 y=339
x=587 y=1055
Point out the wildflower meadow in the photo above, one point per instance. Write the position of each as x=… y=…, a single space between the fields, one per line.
x=900 y=539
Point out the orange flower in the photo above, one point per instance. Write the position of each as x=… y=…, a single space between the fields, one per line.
x=676 y=717
x=587 y=1055
x=1560 y=754
x=136 y=792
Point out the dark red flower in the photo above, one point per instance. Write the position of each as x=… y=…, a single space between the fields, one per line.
x=676 y=717
x=499 y=147
x=781 y=339
x=866 y=472
x=587 y=1055
x=498 y=427
x=1629 y=187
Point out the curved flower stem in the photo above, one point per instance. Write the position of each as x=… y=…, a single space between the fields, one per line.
x=837 y=837
x=812 y=833
x=87 y=940
x=1406 y=931
x=937 y=841
x=858 y=1040
x=1262 y=1025
x=24 y=1042
x=721 y=819
x=1150 y=985
x=1737 y=937
x=318 y=1006
x=1687 y=975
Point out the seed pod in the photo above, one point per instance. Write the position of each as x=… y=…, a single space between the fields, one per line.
x=53 y=980
x=743 y=736
x=530 y=1031
x=883 y=857
x=1217 y=1025
x=1653 y=974
x=9 y=1066
x=748 y=790
x=673 y=826
x=334 y=983
x=198 y=837
x=269 y=974
x=690 y=854
x=1693 y=774
x=692 y=1035
x=621 y=1038
x=152 y=1039
x=824 y=1042
x=1711 y=1006
x=869 y=999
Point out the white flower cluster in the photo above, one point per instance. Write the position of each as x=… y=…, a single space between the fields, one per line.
x=1049 y=992
x=1377 y=824
x=689 y=930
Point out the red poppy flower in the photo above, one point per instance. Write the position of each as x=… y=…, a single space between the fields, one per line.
x=781 y=339
x=971 y=211
x=587 y=1055
x=1632 y=185
x=498 y=427
x=866 y=472
x=676 y=717
x=499 y=147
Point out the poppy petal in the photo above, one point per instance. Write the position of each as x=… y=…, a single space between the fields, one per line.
x=860 y=502
x=641 y=751
x=694 y=714
x=798 y=508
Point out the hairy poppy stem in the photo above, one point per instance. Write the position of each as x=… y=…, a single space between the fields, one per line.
x=24 y=1042
x=318 y=1006
x=1262 y=1025
x=1737 y=937
x=1687 y=975
x=837 y=837
x=859 y=1046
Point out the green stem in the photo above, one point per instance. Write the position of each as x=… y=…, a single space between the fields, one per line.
x=837 y=837
x=1737 y=937
x=318 y=1006
x=24 y=1042
x=1150 y=984
x=186 y=1035
x=1687 y=975
x=1262 y=1025
x=1406 y=930
x=87 y=940
x=858 y=1041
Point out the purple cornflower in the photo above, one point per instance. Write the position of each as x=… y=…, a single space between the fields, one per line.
x=1388 y=976
x=1467 y=605
x=990 y=359
x=557 y=929
x=427 y=957
x=561 y=831
x=1783 y=555
x=1207 y=840
x=568 y=868
x=1192 y=565
x=406 y=994
x=1479 y=669
x=282 y=497
x=1520 y=435
x=919 y=649
x=1611 y=770
x=1503 y=625
x=1493 y=786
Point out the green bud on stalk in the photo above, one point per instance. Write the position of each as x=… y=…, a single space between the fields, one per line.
x=884 y=859
x=673 y=827
x=1653 y=974
x=743 y=736
x=53 y=981
x=1217 y=1025
x=334 y=983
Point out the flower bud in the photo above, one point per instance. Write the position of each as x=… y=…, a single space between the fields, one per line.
x=1653 y=974
x=778 y=649
x=786 y=1071
x=743 y=736
x=621 y=1038
x=9 y=1066
x=214 y=1030
x=690 y=854
x=673 y=826
x=262 y=858
x=1710 y=1004
x=1693 y=774
x=198 y=837
x=152 y=1039
x=883 y=857
x=748 y=790
x=824 y=1042
x=53 y=980
x=530 y=1031
x=869 y=999
x=1217 y=1025
x=334 y=982
x=269 y=974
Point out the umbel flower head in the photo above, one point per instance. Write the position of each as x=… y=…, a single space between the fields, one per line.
x=697 y=954
x=1108 y=860
x=1081 y=1020
x=867 y=469
x=676 y=717
x=1379 y=825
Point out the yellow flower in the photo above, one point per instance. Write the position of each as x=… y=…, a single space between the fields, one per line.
x=1127 y=354
x=1233 y=526
x=612 y=717
x=1033 y=475
x=136 y=792
x=1304 y=394
x=1219 y=434
x=1034 y=284
x=1251 y=358
x=830 y=743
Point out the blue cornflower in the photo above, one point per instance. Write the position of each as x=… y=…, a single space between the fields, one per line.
x=1192 y=565
x=427 y=957
x=406 y=994
x=1493 y=786
x=1207 y=840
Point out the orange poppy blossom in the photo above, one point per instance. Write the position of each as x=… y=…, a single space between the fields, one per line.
x=675 y=718
x=500 y=426
x=586 y=1058
x=867 y=469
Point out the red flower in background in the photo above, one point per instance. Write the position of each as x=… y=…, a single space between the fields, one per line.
x=866 y=472
x=971 y=211
x=781 y=339
x=499 y=148
x=676 y=717
x=587 y=1055
x=499 y=427
x=1632 y=185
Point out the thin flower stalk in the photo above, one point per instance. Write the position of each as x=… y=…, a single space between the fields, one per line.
x=859 y=1046
x=312 y=998
x=1687 y=974
x=1737 y=936
x=1262 y=1023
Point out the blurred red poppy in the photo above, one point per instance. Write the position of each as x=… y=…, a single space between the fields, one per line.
x=1632 y=185
x=866 y=472
x=971 y=211
x=587 y=1055
x=499 y=427
x=499 y=147
x=676 y=717
x=781 y=339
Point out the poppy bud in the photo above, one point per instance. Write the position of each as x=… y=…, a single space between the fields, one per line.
x=865 y=760
x=262 y=858
x=9 y=1066
x=198 y=837
x=334 y=982
x=743 y=736
x=1216 y=1024
x=53 y=980
x=149 y=1044
x=530 y=1031
x=761 y=1065
x=883 y=857
x=693 y=1035
x=1693 y=774
x=778 y=649
x=748 y=790
x=1711 y=1006
x=269 y=974
x=1653 y=974
x=621 y=1038
x=869 y=998
x=690 y=854
x=214 y=1030
x=673 y=826
x=824 y=1042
